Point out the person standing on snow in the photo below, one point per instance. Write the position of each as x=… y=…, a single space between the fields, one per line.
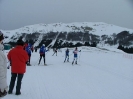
x=28 y=50
x=35 y=48
x=66 y=55
x=75 y=52
x=42 y=53
x=18 y=58
x=3 y=69
x=55 y=51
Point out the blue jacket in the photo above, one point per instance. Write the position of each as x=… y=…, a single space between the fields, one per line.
x=42 y=50
x=28 y=49
x=67 y=52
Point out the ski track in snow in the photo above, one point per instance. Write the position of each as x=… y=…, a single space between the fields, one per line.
x=100 y=75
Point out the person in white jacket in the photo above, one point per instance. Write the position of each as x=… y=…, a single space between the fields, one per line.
x=3 y=69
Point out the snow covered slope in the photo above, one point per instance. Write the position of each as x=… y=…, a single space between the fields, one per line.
x=100 y=74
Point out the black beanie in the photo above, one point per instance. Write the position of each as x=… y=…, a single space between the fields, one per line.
x=1 y=36
x=20 y=42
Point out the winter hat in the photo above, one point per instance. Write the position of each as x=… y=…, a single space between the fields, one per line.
x=1 y=36
x=20 y=42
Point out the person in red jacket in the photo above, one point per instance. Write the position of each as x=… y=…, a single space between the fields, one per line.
x=18 y=58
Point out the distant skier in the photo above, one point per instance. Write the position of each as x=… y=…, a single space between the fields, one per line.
x=42 y=53
x=55 y=51
x=28 y=50
x=66 y=55
x=35 y=48
x=75 y=55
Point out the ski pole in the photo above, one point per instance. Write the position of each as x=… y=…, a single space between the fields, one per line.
x=8 y=65
x=37 y=61
x=79 y=56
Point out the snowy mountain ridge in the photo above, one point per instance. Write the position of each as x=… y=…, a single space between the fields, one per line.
x=94 y=28
x=99 y=28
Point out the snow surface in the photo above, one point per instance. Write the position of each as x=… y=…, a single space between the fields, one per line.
x=100 y=74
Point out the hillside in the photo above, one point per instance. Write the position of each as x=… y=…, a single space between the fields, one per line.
x=82 y=32
x=100 y=74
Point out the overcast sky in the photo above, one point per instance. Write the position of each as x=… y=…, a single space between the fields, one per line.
x=18 y=13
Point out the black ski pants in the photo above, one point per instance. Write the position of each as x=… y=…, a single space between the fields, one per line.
x=67 y=57
x=43 y=55
x=12 y=82
x=54 y=53
x=29 y=58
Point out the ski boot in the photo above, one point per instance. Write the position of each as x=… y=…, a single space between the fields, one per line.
x=28 y=64
x=72 y=62
x=76 y=62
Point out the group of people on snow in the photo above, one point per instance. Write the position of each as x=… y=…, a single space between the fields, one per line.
x=75 y=52
x=18 y=58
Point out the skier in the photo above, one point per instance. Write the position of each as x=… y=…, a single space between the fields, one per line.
x=35 y=48
x=66 y=55
x=42 y=53
x=28 y=50
x=75 y=55
x=55 y=51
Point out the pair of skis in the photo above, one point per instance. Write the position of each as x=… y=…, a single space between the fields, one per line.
x=72 y=62
x=42 y=65
x=75 y=63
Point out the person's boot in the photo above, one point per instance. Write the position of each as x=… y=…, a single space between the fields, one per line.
x=72 y=62
x=18 y=93
x=2 y=94
x=9 y=92
x=28 y=64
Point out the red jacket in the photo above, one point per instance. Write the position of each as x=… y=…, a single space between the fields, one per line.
x=18 y=58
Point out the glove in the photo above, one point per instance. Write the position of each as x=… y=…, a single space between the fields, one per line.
x=8 y=67
x=2 y=94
